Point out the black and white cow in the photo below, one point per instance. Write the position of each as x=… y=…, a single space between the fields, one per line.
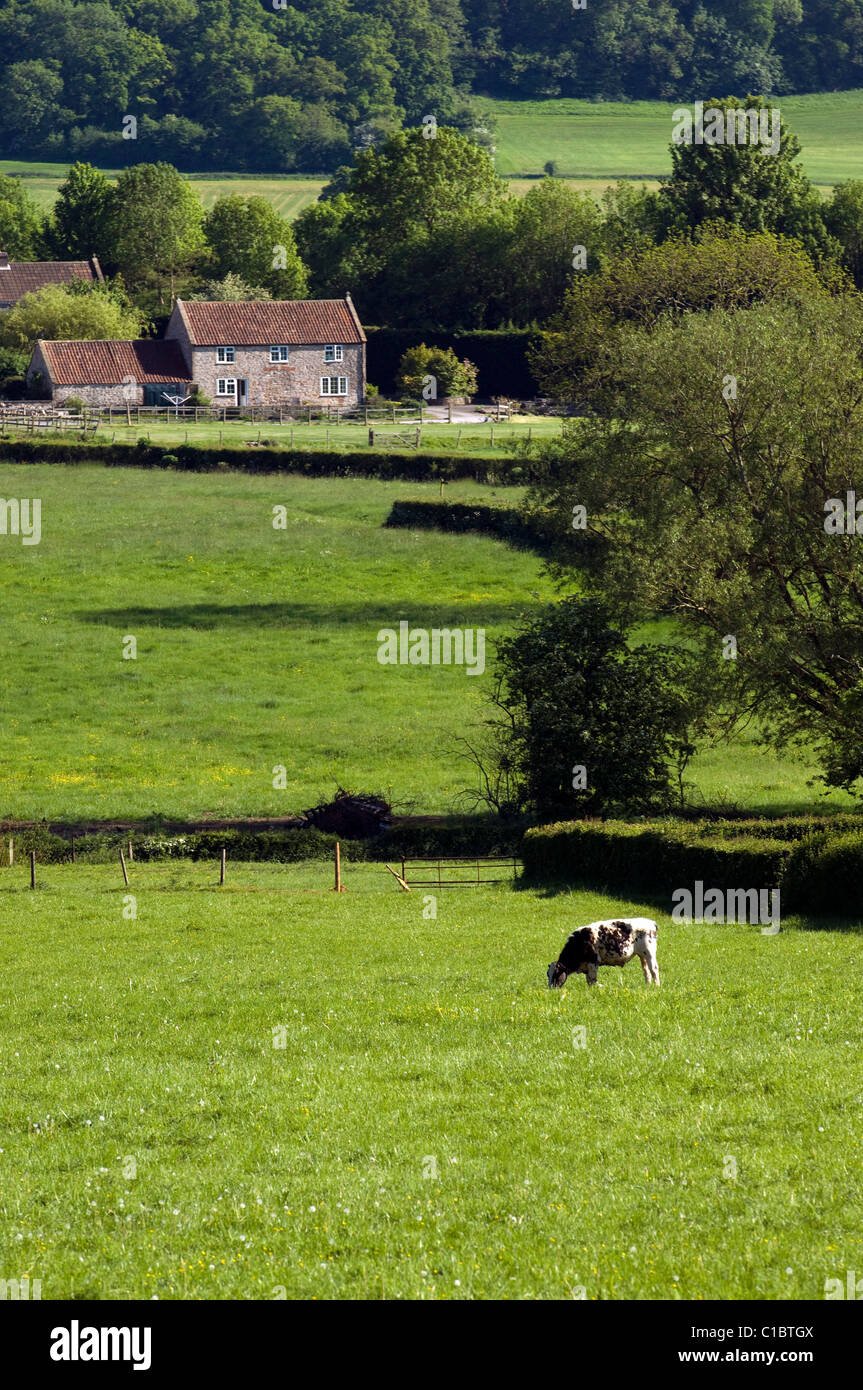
x=607 y=943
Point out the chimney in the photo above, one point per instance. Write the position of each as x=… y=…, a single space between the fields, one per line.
x=4 y=261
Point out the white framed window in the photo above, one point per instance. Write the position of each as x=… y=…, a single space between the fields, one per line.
x=226 y=354
x=279 y=352
x=226 y=386
x=334 y=386
x=333 y=352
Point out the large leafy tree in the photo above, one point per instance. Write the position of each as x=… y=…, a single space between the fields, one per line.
x=720 y=268
x=746 y=185
x=418 y=182
x=248 y=238
x=843 y=216
x=158 y=221
x=20 y=221
x=707 y=484
x=583 y=723
x=81 y=223
x=393 y=219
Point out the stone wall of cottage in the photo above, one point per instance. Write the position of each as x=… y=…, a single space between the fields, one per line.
x=100 y=395
x=281 y=383
x=89 y=394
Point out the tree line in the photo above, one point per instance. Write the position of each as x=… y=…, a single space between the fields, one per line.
x=268 y=85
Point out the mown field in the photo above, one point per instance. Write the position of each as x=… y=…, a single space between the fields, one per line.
x=256 y=647
x=610 y=140
x=264 y=1092
x=288 y=193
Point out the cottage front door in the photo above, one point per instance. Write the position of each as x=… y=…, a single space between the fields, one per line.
x=242 y=391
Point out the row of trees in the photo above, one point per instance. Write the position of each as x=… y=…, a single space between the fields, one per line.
x=150 y=228
x=244 y=84
x=432 y=235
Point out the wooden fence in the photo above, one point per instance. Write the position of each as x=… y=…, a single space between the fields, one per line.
x=407 y=439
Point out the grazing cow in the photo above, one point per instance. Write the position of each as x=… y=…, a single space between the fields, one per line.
x=607 y=943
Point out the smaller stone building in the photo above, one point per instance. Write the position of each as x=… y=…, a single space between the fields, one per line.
x=143 y=372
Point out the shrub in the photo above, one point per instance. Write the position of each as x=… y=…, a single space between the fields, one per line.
x=73 y=403
x=451 y=376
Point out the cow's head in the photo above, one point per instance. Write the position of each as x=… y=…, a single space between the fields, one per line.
x=556 y=975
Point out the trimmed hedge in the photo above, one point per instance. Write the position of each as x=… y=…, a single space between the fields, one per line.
x=320 y=463
x=824 y=875
x=503 y=523
x=500 y=355
x=653 y=857
x=482 y=836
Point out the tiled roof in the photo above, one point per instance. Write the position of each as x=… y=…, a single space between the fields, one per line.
x=302 y=321
x=24 y=277
x=108 y=363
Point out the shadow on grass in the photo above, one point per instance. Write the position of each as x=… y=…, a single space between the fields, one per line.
x=305 y=614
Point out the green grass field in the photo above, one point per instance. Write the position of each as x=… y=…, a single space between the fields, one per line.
x=431 y=1126
x=257 y=648
x=289 y=193
x=610 y=140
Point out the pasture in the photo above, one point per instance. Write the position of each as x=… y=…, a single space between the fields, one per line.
x=268 y=1090
x=604 y=141
x=257 y=648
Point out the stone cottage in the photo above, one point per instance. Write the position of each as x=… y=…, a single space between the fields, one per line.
x=265 y=353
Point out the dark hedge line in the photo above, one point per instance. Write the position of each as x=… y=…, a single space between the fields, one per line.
x=503 y=523
x=499 y=354
x=482 y=837
x=321 y=463
x=654 y=859
x=816 y=864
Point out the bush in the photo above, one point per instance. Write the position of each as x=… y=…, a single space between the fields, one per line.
x=450 y=376
x=14 y=388
x=73 y=403
x=500 y=356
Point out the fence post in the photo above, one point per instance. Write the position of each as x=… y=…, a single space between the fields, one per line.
x=32 y=868
x=11 y=851
x=222 y=868
x=337 y=858
x=123 y=867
